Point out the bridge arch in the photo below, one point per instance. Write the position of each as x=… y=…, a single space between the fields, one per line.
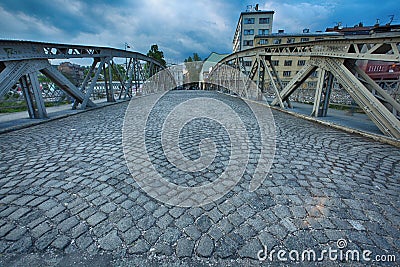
x=21 y=61
x=335 y=58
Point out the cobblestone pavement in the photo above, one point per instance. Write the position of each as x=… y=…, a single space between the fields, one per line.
x=67 y=198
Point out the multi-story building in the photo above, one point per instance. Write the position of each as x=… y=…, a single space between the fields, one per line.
x=251 y=23
x=74 y=72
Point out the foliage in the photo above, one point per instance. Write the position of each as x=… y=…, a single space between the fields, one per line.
x=193 y=66
x=157 y=55
x=114 y=73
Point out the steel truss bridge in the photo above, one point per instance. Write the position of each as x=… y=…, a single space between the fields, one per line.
x=333 y=59
x=21 y=62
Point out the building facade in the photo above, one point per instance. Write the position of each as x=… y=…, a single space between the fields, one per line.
x=75 y=73
x=251 y=23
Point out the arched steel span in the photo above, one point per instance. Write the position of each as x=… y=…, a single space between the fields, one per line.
x=334 y=58
x=20 y=62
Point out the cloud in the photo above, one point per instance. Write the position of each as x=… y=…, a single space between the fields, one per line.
x=32 y=28
x=178 y=27
x=294 y=17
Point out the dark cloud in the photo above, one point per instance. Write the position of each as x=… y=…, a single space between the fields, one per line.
x=178 y=27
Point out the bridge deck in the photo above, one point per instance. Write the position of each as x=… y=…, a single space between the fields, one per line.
x=66 y=188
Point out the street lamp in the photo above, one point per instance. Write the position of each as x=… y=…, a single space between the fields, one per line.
x=126 y=59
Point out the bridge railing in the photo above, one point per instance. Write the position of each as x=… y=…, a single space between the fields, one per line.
x=337 y=62
x=22 y=61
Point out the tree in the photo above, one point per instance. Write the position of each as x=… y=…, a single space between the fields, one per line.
x=157 y=55
x=114 y=73
x=193 y=66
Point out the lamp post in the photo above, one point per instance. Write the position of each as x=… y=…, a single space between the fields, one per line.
x=126 y=59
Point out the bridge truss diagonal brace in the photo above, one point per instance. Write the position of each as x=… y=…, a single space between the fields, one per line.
x=16 y=69
x=278 y=95
x=86 y=99
x=297 y=80
x=60 y=80
x=373 y=86
x=376 y=111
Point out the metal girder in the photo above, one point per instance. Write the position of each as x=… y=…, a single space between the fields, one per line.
x=322 y=93
x=33 y=96
x=383 y=118
x=297 y=80
x=15 y=70
x=375 y=88
x=271 y=77
x=11 y=50
x=27 y=96
x=109 y=89
x=86 y=98
x=318 y=93
x=369 y=48
x=340 y=53
x=60 y=80
x=35 y=86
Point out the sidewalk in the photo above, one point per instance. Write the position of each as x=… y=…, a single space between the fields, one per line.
x=358 y=121
x=19 y=120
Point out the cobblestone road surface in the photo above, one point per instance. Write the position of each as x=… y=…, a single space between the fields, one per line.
x=66 y=197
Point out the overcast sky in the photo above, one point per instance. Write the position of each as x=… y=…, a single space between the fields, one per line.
x=179 y=27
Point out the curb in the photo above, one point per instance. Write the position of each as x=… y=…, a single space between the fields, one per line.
x=34 y=123
x=375 y=137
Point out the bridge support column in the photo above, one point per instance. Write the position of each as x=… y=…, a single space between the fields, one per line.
x=33 y=96
x=322 y=94
x=108 y=83
x=92 y=85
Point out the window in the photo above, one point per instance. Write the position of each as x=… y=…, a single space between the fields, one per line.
x=263 y=41
x=288 y=63
x=304 y=39
x=312 y=84
x=301 y=63
x=287 y=73
x=248 y=43
x=248 y=21
x=290 y=40
x=263 y=21
x=277 y=41
x=248 y=32
x=263 y=32
x=314 y=74
x=275 y=62
x=247 y=63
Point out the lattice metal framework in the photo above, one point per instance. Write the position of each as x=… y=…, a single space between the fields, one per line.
x=21 y=61
x=334 y=59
